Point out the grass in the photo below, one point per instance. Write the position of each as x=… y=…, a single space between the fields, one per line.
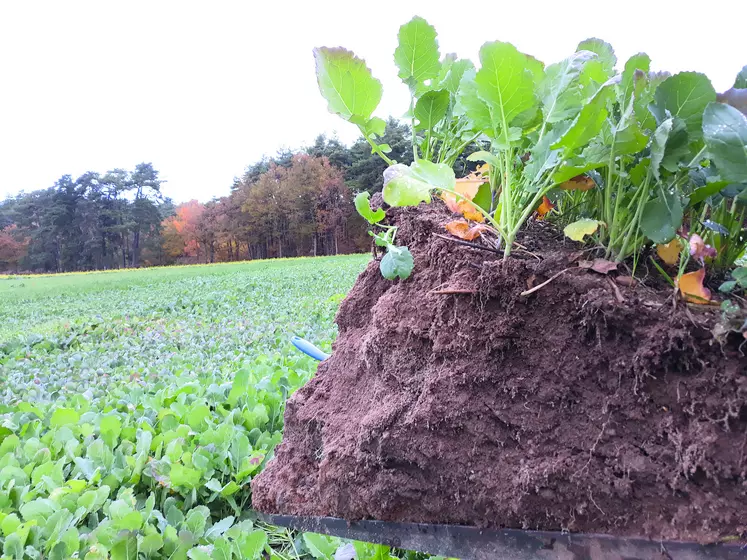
x=137 y=405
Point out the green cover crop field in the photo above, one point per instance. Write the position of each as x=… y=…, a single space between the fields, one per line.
x=136 y=406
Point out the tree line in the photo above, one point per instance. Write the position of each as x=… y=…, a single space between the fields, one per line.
x=297 y=203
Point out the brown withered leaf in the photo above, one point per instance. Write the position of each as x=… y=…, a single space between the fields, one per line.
x=602 y=266
x=628 y=281
x=577 y=183
x=462 y=230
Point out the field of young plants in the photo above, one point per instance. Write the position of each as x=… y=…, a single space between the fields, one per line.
x=136 y=406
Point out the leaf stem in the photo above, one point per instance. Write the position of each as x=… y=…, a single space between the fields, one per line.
x=377 y=149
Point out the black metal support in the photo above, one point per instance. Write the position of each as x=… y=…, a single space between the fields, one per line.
x=471 y=543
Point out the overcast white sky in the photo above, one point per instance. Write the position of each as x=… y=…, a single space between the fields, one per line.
x=202 y=89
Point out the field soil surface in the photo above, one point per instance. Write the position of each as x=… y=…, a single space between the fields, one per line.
x=589 y=405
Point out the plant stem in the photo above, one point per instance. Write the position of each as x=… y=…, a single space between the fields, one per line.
x=697 y=157
x=377 y=149
x=635 y=224
x=412 y=128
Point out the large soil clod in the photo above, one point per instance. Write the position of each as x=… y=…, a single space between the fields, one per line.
x=451 y=398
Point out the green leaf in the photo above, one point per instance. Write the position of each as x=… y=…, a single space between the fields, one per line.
x=397 y=262
x=110 y=428
x=452 y=77
x=196 y=520
x=603 y=50
x=38 y=510
x=725 y=134
x=125 y=548
x=222 y=550
x=321 y=546
x=239 y=386
x=199 y=553
x=506 y=83
x=197 y=417
x=417 y=55
x=588 y=123
x=437 y=175
x=64 y=417
x=579 y=229
x=363 y=206
x=252 y=544
x=559 y=91
x=662 y=217
x=470 y=104
x=707 y=191
x=684 y=95
x=487 y=157
x=629 y=139
x=150 y=544
x=184 y=476
x=431 y=109
x=636 y=68
x=484 y=197
x=401 y=188
x=217 y=529
x=741 y=81
x=727 y=286
x=10 y=524
x=13 y=547
x=375 y=126
x=669 y=146
x=347 y=84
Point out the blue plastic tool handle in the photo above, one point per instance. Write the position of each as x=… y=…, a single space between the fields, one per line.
x=309 y=349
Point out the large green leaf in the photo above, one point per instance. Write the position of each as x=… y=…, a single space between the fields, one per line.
x=636 y=69
x=184 y=476
x=506 y=82
x=662 y=217
x=684 y=95
x=64 y=417
x=588 y=123
x=435 y=174
x=559 y=90
x=252 y=544
x=603 y=50
x=725 y=134
x=417 y=55
x=347 y=84
x=451 y=74
x=431 y=109
x=645 y=89
x=401 y=188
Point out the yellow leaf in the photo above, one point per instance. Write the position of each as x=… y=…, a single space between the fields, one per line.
x=545 y=207
x=467 y=187
x=462 y=230
x=577 y=183
x=670 y=253
x=579 y=229
x=692 y=289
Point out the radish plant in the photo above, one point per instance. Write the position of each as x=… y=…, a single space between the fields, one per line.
x=632 y=157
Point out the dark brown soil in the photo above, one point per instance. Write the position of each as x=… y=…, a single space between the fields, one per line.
x=564 y=409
